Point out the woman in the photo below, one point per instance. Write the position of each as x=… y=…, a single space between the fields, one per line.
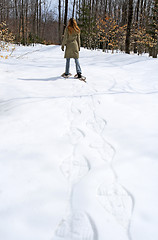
x=72 y=42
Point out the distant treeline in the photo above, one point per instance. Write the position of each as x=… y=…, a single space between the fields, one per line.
x=31 y=21
x=125 y=25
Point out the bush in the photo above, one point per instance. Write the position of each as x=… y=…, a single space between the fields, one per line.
x=6 y=41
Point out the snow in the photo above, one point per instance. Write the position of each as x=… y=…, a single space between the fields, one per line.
x=78 y=161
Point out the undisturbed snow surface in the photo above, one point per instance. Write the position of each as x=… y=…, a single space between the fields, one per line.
x=78 y=161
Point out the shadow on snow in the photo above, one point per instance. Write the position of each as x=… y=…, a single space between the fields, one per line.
x=41 y=79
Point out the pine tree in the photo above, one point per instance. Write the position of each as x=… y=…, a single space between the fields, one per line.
x=87 y=24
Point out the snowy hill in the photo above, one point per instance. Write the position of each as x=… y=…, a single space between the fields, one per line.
x=78 y=161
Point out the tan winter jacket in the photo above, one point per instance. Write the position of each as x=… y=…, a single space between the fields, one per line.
x=72 y=43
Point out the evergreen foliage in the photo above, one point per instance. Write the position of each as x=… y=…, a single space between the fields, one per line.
x=87 y=25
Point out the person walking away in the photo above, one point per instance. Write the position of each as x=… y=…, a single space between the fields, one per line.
x=72 y=42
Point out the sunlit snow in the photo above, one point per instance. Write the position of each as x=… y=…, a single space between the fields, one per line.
x=78 y=161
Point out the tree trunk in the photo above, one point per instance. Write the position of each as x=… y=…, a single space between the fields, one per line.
x=26 y=16
x=22 y=22
x=37 y=18
x=110 y=12
x=105 y=10
x=16 y=19
x=155 y=27
x=128 y=33
x=65 y=15
x=96 y=10
x=59 y=21
x=73 y=10
x=40 y=18
x=137 y=11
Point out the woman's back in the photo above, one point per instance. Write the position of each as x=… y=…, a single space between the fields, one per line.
x=72 y=42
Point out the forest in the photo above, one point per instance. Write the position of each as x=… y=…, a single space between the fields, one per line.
x=110 y=25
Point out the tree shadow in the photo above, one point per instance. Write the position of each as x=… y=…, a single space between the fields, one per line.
x=41 y=79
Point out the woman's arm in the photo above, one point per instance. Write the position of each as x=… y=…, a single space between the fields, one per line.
x=64 y=39
x=78 y=41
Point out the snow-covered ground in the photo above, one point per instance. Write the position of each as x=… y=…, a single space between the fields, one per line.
x=78 y=161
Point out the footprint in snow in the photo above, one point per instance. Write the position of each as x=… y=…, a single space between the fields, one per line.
x=116 y=200
x=76 y=135
x=106 y=151
x=76 y=226
x=75 y=167
x=98 y=125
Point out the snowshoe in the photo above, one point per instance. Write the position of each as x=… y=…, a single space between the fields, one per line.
x=66 y=75
x=80 y=77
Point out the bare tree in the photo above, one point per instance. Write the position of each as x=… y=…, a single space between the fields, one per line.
x=65 y=15
x=128 y=33
x=73 y=10
x=59 y=21
x=22 y=21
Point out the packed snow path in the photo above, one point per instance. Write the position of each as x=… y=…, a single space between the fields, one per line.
x=78 y=161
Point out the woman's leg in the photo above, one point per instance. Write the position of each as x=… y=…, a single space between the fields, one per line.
x=78 y=68
x=67 y=66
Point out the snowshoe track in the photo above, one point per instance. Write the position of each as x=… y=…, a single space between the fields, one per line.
x=75 y=227
x=113 y=197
